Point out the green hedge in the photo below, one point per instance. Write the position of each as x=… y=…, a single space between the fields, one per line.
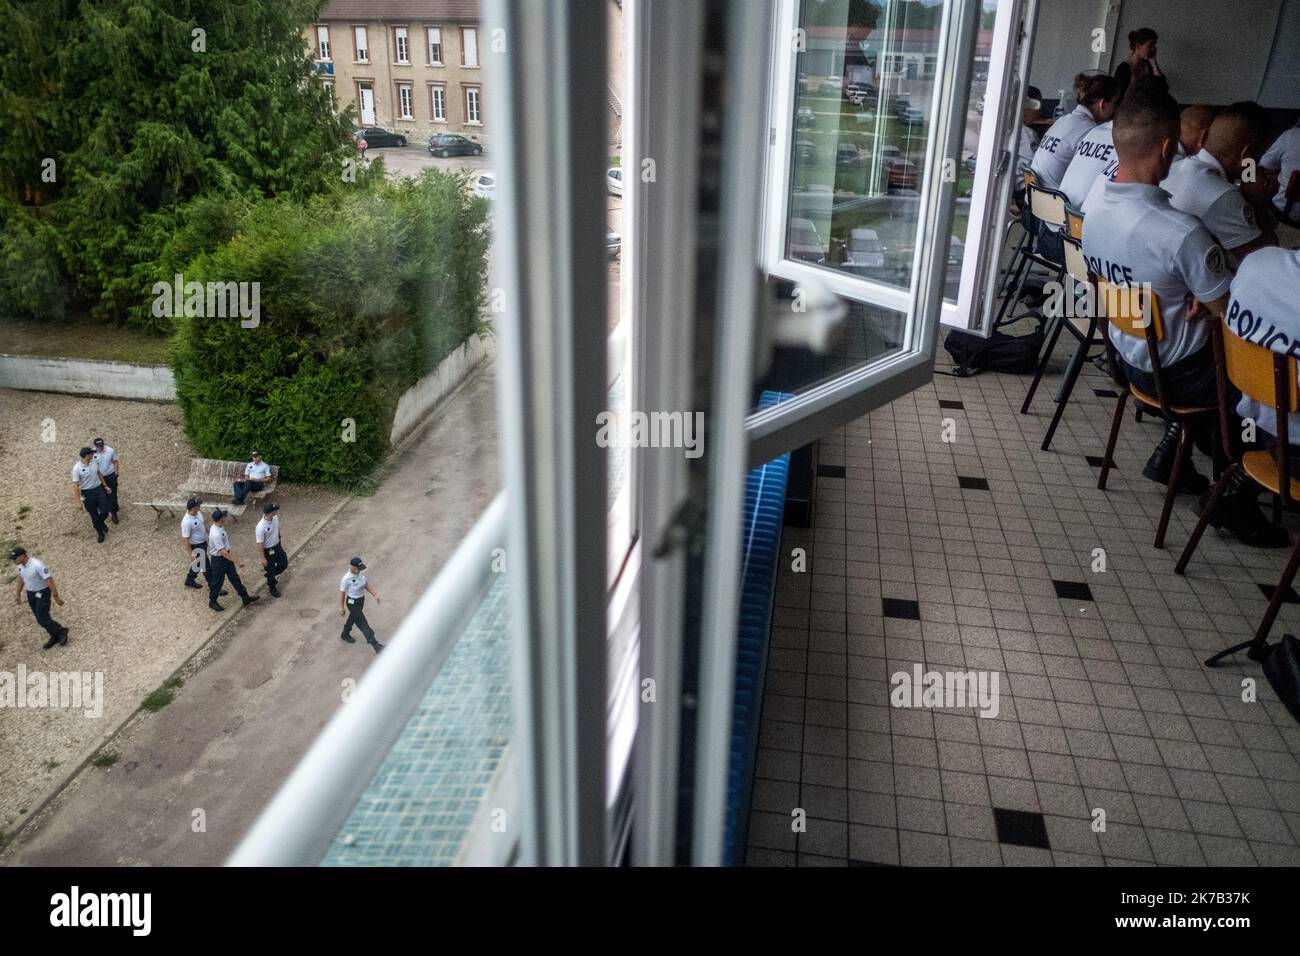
x=360 y=295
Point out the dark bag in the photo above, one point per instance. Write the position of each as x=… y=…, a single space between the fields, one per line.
x=1013 y=354
x=1282 y=668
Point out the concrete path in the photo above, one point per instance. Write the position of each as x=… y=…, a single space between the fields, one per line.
x=272 y=679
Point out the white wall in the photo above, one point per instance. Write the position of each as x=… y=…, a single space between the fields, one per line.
x=1063 y=44
x=85 y=377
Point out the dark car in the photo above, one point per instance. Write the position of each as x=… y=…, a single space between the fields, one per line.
x=449 y=144
x=374 y=136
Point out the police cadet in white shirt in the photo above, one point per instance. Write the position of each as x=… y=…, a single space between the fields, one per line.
x=36 y=580
x=255 y=473
x=1264 y=308
x=1135 y=237
x=194 y=539
x=223 y=563
x=1283 y=159
x=1093 y=157
x=352 y=602
x=274 y=558
x=88 y=489
x=1203 y=184
x=110 y=469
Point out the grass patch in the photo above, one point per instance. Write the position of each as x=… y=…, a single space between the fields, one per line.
x=83 y=338
x=51 y=764
x=105 y=759
x=157 y=700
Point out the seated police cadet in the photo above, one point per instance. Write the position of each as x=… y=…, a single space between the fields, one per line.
x=223 y=563
x=110 y=469
x=35 y=579
x=274 y=559
x=1093 y=157
x=255 y=473
x=1263 y=308
x=1193 y=126
x=194 y=539
x=1203 y=183
x=88 y=490
x=352 y=602
x=1283 y=159
x=1134 y=237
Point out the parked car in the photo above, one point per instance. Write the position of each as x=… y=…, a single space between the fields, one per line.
x=864 y=253
x=912 y=116
x=803 y=242
x=614 y=180
x=899 y=103
x=847 y=156
x=901 y=173
x=375 y=136
x=969 y=163
x=613 y=243
x=485 y=186
x=805 y=149
x=830 y=84
x=449 y=144
x=803 y=117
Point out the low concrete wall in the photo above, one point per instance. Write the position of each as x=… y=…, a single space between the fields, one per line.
x=36 y=373
x=418 y=400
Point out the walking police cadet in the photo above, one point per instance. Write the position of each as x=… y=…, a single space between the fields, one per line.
x=1135 y=237
x=255 y=473
x=89 y=491
x=274 y=559
x=194 y=539
x=223 y=563
x=36 y=580
x=352 y=602
x=110 y=469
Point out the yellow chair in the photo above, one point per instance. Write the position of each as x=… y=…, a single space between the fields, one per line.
x=1045 y=205
x=1269 y=378
x=1134 y=312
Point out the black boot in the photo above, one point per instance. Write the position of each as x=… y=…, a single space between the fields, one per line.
x=57 y=639
x=1238 y=513
x=1161 y=463
x=215 y=606
x=376 y=645
x=249 y=599
x=348 y=637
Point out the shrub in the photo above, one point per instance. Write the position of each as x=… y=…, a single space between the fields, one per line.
x=360 y=294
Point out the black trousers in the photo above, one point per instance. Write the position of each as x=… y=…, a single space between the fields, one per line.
x=199 y=556
x=277 y=559
x=111 y=480
x=39 y=602
x=96 y=504
x=242 y=488
x=221 y=570
x=356 y=615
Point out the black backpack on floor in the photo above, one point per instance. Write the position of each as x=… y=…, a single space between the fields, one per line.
x=1014 y=354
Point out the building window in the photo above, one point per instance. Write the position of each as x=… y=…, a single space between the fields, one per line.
x=322 y=43
x=404 y=100
x=438 y=95
x=472 y=115
x=329 y=88
x=435 y=46
x=362 y=47
x=468 y=46
x=403 y=45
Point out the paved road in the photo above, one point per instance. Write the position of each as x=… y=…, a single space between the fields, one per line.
x=241 y=723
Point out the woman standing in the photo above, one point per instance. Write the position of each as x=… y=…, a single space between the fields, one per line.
x=1141 y=62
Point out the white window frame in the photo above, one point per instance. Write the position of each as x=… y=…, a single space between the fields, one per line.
x=438 y=102
x=469 y=44
x=432 y=39
x=474 y=116
x=323 y=49
x=360 y=44
x=402 y=46
x=405 y=101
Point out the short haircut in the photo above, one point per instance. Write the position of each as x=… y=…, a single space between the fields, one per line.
x=1244 y=122
x=1147 y=117
x=1141 y=35
x=1197 y=118
x=1034 y=93
x=1093 y=89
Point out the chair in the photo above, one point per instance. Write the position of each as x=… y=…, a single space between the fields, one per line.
x=1269 y=378
x=1084 y=330
x=1026 y=240
x=1045 y=206
x=1136 y=313
x=1073 y=223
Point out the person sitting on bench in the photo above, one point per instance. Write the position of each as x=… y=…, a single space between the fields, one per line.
x=255 y=474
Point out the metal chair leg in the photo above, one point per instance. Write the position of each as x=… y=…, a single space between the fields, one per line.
x=1210 y=505
x=1108 y=459
x=1058 y=323
x=1072 y=372
x=1171 y=492
x=1257 y=647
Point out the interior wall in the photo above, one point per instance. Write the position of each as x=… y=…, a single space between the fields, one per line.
x=1063 y=44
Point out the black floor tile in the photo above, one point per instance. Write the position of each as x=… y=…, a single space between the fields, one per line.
x=1095 y=460
x=901 y=608
x=1072 y=590
x=949 y=403
x=973 y=484
x=1105 y=393
x=1289 y=598
x=830 y=471
x=1021 y=828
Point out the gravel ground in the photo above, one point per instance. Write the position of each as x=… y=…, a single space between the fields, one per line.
x=129 y=617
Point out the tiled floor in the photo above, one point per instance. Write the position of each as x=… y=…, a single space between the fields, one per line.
x=984 y=553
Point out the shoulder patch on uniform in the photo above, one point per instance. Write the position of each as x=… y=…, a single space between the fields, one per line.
x=1214 y=261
